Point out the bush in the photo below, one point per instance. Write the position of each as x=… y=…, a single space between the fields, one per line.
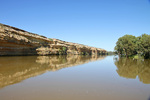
x=50 y=39
x=62 y=51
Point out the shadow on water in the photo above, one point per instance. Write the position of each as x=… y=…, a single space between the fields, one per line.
x=16 y=69
x=130 y=68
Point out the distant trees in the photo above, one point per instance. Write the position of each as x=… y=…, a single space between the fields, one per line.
x=110 y=53
x=129 y=45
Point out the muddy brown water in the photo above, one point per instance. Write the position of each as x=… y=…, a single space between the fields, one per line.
x=74 y=78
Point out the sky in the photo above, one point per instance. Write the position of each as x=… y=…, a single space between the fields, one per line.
x=97 y=23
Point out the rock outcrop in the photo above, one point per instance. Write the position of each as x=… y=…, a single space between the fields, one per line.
x=14 y=41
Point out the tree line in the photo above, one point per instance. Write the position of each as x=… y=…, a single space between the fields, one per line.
x=129 y=46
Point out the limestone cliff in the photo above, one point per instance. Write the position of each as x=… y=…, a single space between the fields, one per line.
x=14 y=41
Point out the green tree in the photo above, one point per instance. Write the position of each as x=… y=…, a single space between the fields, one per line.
x=126 y=45
x=144 y=45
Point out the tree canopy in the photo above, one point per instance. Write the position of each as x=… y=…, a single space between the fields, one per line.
x=129 y=45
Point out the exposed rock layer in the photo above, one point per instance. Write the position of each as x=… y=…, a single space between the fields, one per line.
x=14 y=41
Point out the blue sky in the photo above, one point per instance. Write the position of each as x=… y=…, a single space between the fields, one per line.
x=97 y=23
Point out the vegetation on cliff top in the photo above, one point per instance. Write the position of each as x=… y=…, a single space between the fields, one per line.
x=129 y=46
x=50 y=39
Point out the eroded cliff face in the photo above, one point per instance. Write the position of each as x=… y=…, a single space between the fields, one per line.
x=14 y=41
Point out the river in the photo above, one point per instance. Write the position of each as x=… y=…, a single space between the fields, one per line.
x=74 y=78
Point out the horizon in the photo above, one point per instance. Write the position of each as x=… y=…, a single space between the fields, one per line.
x=89 y=22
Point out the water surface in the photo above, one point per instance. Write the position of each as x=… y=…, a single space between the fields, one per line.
x=74 y=78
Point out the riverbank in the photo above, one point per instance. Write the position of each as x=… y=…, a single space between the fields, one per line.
x=14 y=42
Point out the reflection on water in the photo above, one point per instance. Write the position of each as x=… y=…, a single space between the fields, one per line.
x=15 y=69
x=130 y=68
x=97 y=80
